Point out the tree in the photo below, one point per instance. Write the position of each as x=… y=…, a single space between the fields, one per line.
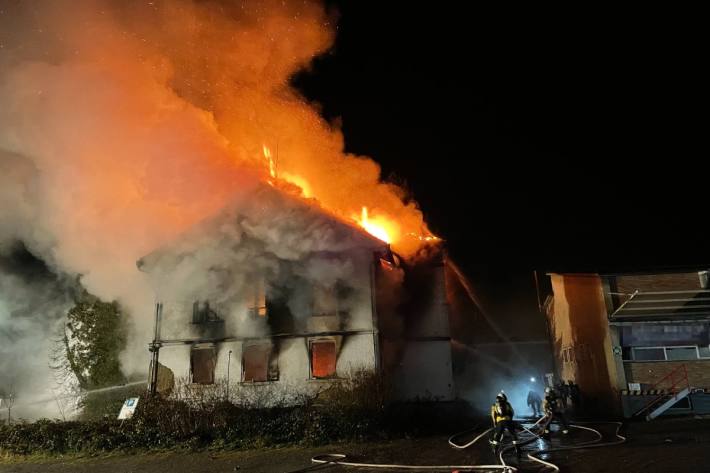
x=94 y=336
x=7 y=400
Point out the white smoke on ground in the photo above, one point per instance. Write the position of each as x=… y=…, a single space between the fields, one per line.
x=33 y=305
x=122 y=124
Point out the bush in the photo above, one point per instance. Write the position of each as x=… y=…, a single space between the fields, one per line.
x=353 y=410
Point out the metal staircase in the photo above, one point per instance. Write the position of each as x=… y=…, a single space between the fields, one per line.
x=671 y=400
x=680 y=389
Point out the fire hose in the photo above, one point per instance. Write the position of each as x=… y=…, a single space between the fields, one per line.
x=333 y=459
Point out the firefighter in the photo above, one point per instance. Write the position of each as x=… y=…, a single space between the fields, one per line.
x=502 y=415
x=534 y=402
x=554 y=411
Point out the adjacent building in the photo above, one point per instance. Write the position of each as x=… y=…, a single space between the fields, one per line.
x=634 y=341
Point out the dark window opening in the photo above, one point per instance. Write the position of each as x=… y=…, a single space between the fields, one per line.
x=202 y=364
x=259 y=363
x=203 y=313
x=323 y=359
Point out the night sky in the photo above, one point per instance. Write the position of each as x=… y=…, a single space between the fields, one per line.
x=530 y=142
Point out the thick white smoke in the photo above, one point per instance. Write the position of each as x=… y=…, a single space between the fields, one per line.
x=33 y=305
x=123 y=124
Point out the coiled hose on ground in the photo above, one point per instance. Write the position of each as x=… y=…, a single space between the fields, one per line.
x=332 y=459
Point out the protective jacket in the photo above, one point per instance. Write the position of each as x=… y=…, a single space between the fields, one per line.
x=501 y=411
x=551 y=405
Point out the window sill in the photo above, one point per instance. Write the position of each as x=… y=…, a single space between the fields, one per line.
x=326 y=380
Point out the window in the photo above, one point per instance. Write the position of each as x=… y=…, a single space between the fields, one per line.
x=323 y=359
x=203 y=313
x=673 y=353
x=649 y=354
x=325 y=301
x=681 y=353
x=256 y=299
x=328 y=300
x=259 y=363
x=202 y=363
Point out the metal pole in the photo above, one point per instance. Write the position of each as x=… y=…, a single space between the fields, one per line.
x=154 y=348
x=229 y=359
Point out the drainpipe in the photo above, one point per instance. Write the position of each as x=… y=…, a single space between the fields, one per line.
x=373 y=300
x=229 y=359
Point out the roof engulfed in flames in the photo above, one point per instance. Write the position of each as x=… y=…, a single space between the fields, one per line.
x=380 y=226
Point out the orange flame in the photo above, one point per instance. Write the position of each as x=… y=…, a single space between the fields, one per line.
x=299 y=182
x=379 y=227
x=270 y=160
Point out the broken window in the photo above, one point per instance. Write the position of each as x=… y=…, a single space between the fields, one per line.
x=323 y=358
x=259 y=363
x=256 y=299
x=202 y=363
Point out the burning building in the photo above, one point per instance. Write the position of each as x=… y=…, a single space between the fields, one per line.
x=279 y=296
x=120 y=138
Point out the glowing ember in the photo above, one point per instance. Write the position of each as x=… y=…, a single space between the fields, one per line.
x=428 y=237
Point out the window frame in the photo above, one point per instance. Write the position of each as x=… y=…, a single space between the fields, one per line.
x=272 y=360
x=255 y=309
x=665 y=349
x=313 y=341
x=195 y=348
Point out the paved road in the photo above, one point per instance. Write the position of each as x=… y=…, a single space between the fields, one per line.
x=280 y=460
x=664 y=446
